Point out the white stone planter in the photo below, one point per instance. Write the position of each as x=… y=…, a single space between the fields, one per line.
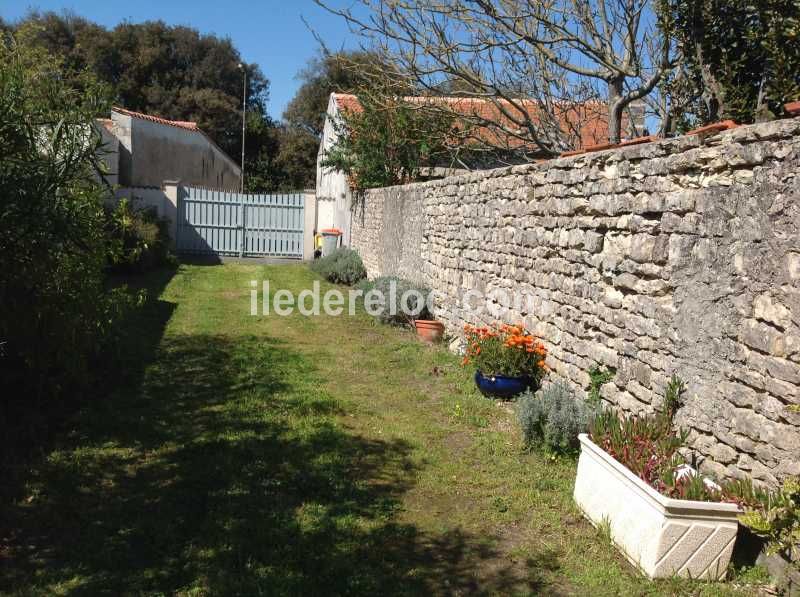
x=660 y=535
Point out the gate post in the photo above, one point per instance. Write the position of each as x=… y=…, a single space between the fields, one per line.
x=172 y=208
x=243 y=225
x=309 y=223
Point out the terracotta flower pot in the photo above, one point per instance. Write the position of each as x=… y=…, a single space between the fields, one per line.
x=429 y=329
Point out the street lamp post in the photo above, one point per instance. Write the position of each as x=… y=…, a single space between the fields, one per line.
x=244 y=121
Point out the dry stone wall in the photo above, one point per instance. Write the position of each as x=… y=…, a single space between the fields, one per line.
x=681 y=256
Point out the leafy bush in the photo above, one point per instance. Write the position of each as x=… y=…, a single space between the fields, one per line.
x=403 y=300
x=57 y=318
x=138 y=238
x=772 y=515
x=364 y=285
x=597 y=377
x=506 y=350
x=342 y=266
x=553 y=417
x=388 y=140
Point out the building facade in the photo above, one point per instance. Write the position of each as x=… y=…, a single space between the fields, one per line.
x=145 y=151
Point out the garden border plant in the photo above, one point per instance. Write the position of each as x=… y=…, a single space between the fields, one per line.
x=405 y=301
x=646 y=450
x=508 y=359
x=59 y=326
x=342 y=266
x=553 y=417
x=138 y=238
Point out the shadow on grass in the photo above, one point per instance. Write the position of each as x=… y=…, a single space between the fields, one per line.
x=223 y=469
x=30 y=428
x=200 y=259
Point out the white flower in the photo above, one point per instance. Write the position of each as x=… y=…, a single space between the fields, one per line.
x=685 y=470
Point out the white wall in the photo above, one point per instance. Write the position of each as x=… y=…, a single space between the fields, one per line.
x=151 y=153
x=141 y=197
x=334 y=197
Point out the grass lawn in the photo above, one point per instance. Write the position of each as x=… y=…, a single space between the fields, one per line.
x=300 y=456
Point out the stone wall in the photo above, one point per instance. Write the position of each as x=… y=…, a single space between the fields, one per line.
x=681 y=256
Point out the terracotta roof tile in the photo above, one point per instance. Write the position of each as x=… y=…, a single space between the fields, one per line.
x=589 y=118
x=792 y=108
x=715 y=127
x=181 y=124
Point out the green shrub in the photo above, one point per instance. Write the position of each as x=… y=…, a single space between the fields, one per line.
x=774 y=516
x=553 y=417
x=364 y=285
x=597 y=377
x=342 y=266
x=396 y=310
x=57 y=319
x=138 y=238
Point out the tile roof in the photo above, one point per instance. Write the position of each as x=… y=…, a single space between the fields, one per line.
x=589 y=118
x=347 y=102
x=181 y=124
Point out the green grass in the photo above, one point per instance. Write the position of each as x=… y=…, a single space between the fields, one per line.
x=299 y=456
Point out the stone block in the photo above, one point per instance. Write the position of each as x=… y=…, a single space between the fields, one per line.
x=767 y=308
x=762 y=337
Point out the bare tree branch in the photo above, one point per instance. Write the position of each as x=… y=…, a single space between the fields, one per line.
x=540 y=63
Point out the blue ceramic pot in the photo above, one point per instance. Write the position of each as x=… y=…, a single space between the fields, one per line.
x=500 y=386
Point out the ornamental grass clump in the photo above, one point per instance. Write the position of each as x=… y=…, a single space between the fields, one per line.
x=648 y=446
x=507 y=350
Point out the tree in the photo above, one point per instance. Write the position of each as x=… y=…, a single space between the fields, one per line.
x=297 y=158
x=388 y=141
x=561 y=53
x=741 y=60
x=278 y=157
x=294 y=166
x=151 y=67
x=340 y=72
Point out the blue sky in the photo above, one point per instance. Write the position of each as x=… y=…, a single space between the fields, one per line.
x=268 y=32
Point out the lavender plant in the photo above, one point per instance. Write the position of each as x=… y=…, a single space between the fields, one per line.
x=553 y=417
